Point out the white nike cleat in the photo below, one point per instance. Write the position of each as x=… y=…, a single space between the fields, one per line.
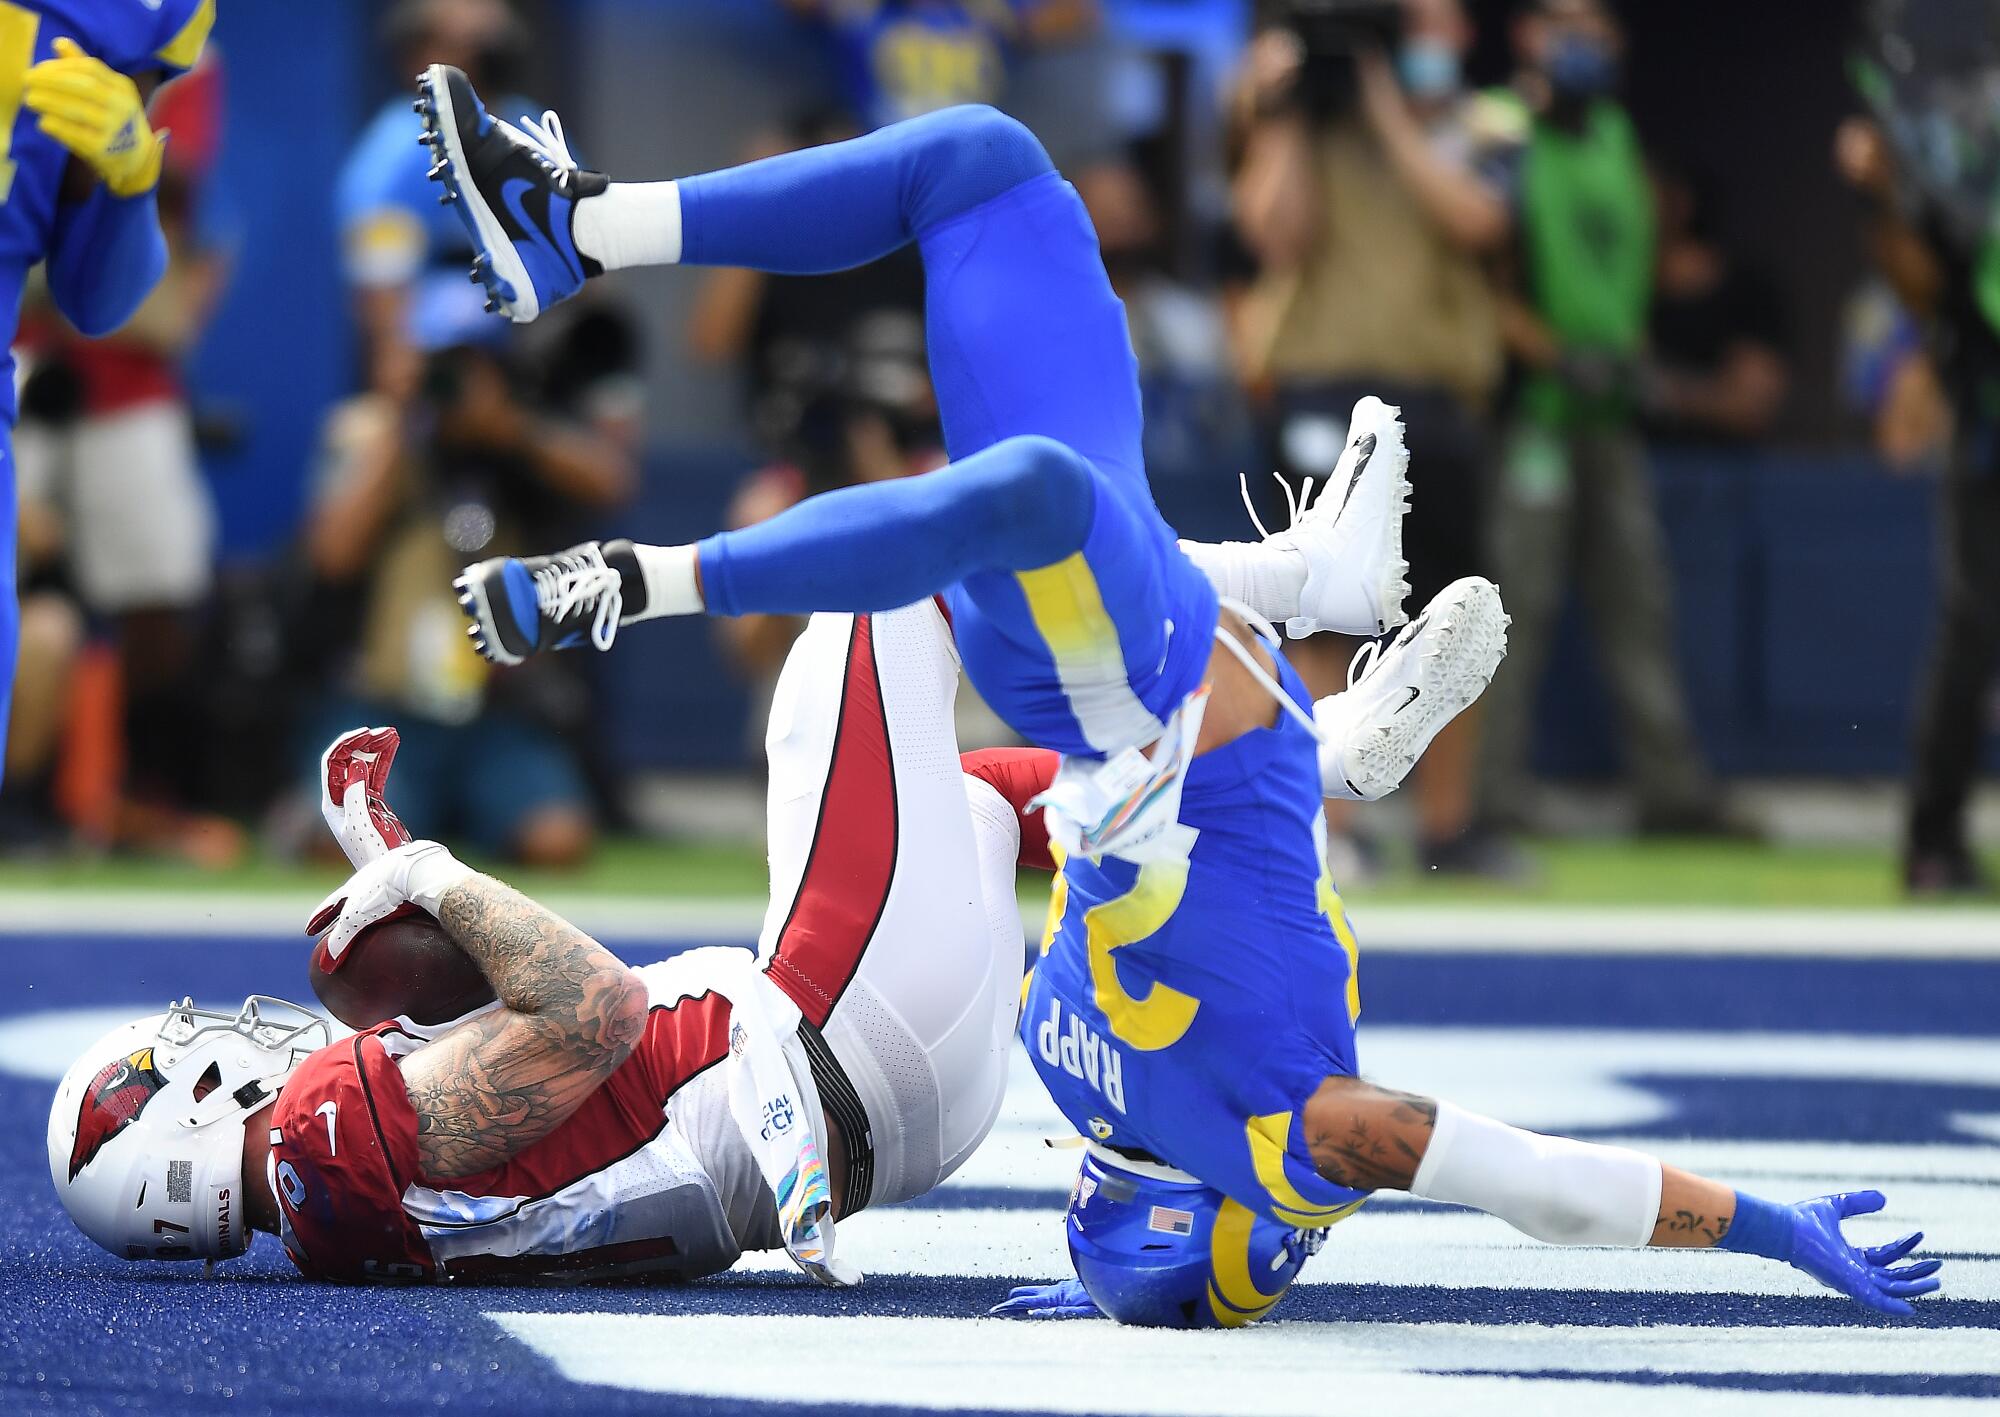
x=1399 y=699
x=1352 y=536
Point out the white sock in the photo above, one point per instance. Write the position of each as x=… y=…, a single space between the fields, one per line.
x=671 y=587
x=1269 y=579
x=631 y=224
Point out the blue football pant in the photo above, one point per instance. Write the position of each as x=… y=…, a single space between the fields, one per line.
x=1076 y=614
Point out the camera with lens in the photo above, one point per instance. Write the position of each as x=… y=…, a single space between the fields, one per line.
x=1332 y=34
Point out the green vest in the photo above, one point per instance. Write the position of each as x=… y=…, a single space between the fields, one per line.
x=1587 y=237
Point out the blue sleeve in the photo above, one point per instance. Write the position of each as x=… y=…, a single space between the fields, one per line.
x=107 y=255
x=182 y=34
x=369 y=177
x=384 y=204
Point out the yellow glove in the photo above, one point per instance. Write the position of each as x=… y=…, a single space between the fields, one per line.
x=97 y=113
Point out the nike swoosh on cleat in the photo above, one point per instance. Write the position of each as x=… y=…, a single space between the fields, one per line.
x=1415 y=694
x=1366 y=442
x=511 y=193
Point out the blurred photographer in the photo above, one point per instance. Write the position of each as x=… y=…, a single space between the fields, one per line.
x=393 y=233
x=1361 y=188
x=839 y=412
x=1942 y=273
x=472 y=465
x=1576 y=499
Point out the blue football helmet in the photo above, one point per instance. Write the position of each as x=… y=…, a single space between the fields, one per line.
x=1155 y=1247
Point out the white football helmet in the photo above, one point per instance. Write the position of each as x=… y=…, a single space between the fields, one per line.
x=146 y=1135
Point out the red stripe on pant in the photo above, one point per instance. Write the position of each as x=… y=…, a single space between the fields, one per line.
x=853 y=857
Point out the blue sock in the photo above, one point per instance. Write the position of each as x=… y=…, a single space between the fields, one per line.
x=846 y=204
x=1760 y=1227
x=1022 y=503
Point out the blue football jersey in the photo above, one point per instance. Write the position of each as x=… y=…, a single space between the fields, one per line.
x=1188 y=1011
x=133 y=36
x=900 y=58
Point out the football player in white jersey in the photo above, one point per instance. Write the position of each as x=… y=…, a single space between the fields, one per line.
x=600 y=1120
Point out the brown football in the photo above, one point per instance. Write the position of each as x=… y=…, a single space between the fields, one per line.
x=404 y=967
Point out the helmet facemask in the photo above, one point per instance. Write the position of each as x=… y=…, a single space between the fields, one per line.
x=146 y=1134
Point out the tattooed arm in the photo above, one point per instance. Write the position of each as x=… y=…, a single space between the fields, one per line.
x=1366 y=1137
x=1695 y=1212
x=1373 y=1138
x=571 y=1013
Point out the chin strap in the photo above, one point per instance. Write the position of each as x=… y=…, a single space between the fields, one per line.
x=1267 y=632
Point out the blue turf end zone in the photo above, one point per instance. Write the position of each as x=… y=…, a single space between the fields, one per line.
x=1836 y=1069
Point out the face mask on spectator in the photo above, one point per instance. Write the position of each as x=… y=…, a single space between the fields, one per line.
x=1429 y=68
x=1580 y=66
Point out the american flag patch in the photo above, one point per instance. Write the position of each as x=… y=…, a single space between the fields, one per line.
x=1171 y=1222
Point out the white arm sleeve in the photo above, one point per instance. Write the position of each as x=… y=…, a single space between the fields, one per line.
x=1560 y=1191
x=1268 y=579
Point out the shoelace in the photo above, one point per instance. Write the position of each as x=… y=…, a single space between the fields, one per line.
x=545 y=141
x=1364 y=662
x=571 y=581
x=1267 y=632
x=1296 y=503
x=1369 y=657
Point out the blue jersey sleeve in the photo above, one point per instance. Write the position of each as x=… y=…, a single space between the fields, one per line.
x=107 y=255
x=182 y=34
x=132 y=37
x=392 y=229
x=380 y=202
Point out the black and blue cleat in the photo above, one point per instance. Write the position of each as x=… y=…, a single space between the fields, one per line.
x=516 y=189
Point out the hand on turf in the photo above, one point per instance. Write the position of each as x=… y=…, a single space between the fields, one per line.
x=1064 y=1299
x=1864 y=1273
x=99 y=115
x=353 y=774
x=415 y=875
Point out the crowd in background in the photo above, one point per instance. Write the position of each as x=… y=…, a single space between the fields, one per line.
x=1332 y=210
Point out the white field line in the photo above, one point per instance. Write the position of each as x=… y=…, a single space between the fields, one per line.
x=1442 y=1251
x=1496 y=929
x=1273 y=1370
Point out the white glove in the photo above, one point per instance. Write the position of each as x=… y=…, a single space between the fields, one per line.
x=353 y=774
x=417 y=874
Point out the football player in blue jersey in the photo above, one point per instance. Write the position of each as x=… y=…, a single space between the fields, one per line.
x=898 y=59
x=78 y=176
x=1193 y=1009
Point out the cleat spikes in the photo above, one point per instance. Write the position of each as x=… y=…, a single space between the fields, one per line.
x=447 y=197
